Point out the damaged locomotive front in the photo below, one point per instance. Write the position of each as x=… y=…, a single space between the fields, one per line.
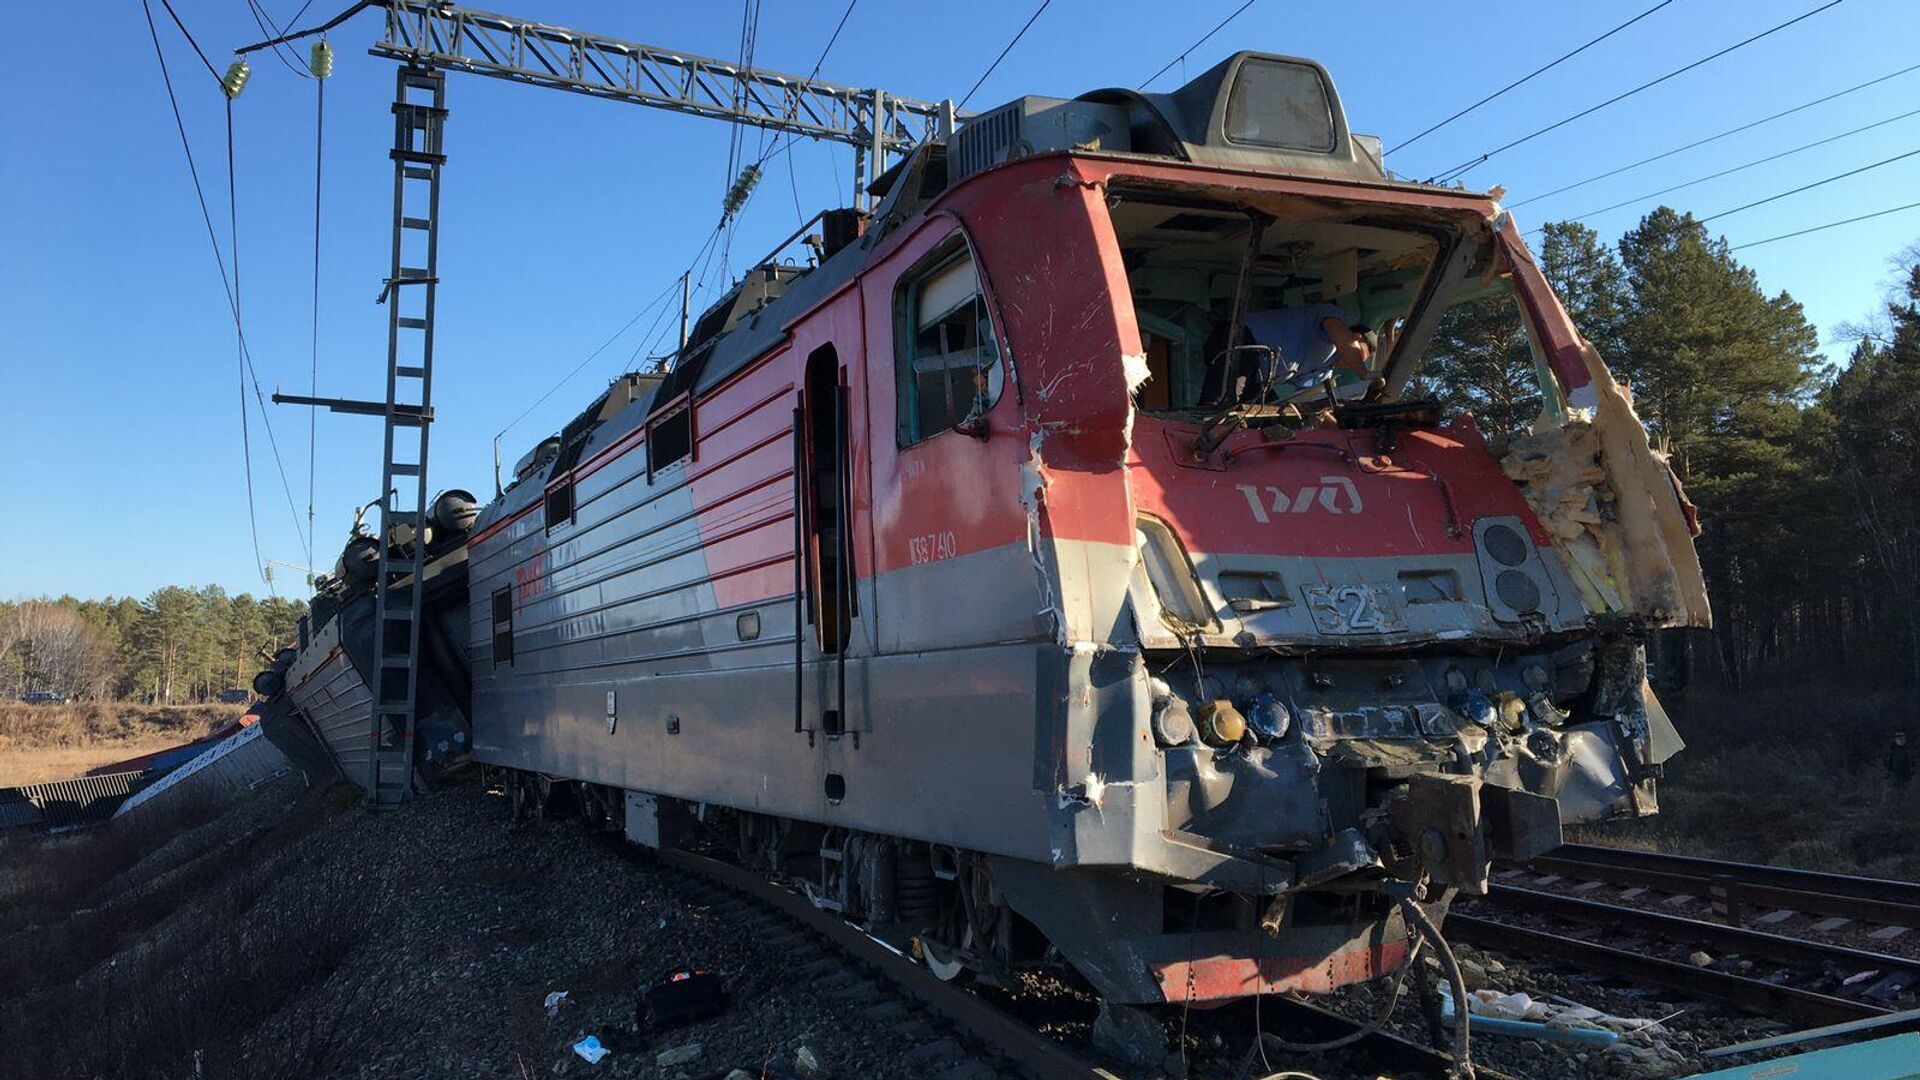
x=1364 y=648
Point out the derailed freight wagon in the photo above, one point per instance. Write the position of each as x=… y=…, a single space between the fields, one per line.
x=316 y=696
x=1062 y=560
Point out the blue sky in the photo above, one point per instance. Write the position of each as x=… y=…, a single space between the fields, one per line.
x=564 y=216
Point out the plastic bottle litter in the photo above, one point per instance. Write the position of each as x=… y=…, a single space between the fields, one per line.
x=591 y=1049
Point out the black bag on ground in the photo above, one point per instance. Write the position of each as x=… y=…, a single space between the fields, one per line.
x=682 y=997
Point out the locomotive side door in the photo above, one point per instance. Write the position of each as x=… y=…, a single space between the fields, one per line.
x=825 y=538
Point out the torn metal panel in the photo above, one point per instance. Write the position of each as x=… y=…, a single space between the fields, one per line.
x=1598 y=478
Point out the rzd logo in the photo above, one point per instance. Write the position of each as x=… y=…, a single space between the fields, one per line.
x=1327 y=494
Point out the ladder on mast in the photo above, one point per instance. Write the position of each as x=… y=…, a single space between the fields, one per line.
x=419 y=119
x=429 y=38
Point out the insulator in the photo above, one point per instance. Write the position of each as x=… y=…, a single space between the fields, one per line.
x=320 y=60
x=235 y=80
x=742 y=187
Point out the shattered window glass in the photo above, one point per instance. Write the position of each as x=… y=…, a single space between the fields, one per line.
x=950 y=364
x=1325 y=302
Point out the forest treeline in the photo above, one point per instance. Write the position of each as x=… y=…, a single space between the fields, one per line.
x=178 y=645
x=1806 y=475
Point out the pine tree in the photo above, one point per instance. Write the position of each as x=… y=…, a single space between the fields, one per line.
x=1874 y=445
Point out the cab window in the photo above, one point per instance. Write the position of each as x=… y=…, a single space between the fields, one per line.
x=948 y=364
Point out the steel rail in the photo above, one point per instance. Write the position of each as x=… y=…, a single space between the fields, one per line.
x=1033 y=1052
x=1762 y=997
x=1813 y=881
x=1679 y=928
x=1732 y=891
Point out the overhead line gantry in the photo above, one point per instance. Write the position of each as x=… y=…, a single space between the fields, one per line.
x=429 y=39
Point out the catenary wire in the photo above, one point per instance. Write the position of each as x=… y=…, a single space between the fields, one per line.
x=211 y=70
x=1204 y=38
x=1807 y=187
x=1471 y=163
x=271 y=30
x=1749 y=125
x=1688 y=222
x=1031 y=19
x=313 y=364
x=736 y=138
x=248 y=372
x=1828 y=225
x=1541 y=70
x=240 y=354
x=253 y=527
x=589 y=358
x=1739 y=168
x=213 y=239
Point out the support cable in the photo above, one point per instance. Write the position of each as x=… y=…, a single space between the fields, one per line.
x=1664 y=154
x=1031 y=19
x=589 y=358
x=1807 y=187
x=1472 y=163
x=1689 y=222
x=1736 y=168
x=1204 y=38
x=206 y=218
x=246 y=354
x=273 y=32
x=313 y=365
x=1828 y=225
x=739 y=183
x=240 y=358
x=1543 y=69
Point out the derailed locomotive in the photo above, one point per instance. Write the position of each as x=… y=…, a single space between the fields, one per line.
x=991 y=577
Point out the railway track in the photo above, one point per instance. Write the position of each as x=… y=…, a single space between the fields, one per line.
x=1742 y=893
x=1767 y=971
x=865 y=972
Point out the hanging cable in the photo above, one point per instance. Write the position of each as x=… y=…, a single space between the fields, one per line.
x=1736 y=168
x=1689 y=222
x=1471 y=163
x=167 y=77
x=1031 y=19
x=1541 y=70
x=272 y=32
x=1204 y=38
x=184 y=32
x=786 y=141
x=321 y=64
x=240 y=358
x=1828 y=225
x=589 y=358
x=740 y=182
x=1807 y=187
x=1664 y=154
x=206 y=217
x=246 y=356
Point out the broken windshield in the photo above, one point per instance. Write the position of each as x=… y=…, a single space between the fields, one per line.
x=1239 y=308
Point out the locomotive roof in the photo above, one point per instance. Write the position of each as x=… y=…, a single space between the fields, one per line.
x=1253 y=111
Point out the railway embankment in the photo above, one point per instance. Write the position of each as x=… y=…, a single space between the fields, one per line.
x=297 y=936
x=293 y=934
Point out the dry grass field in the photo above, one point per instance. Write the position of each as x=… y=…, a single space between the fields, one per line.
x=52 y=742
